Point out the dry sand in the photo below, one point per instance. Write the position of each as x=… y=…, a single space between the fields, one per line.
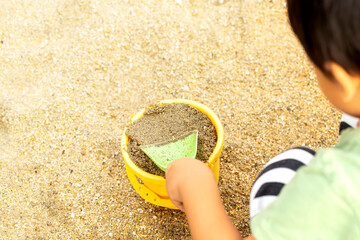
x=72 y=72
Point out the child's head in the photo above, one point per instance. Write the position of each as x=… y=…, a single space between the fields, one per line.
x=329 y=31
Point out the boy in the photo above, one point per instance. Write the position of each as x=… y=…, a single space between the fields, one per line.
x=322 y=201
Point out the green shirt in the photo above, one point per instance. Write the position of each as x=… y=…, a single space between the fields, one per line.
x=322 y=201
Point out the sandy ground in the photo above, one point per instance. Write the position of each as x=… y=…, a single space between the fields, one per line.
x=72 y=72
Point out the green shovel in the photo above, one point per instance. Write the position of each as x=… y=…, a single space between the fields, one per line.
x=165 y=152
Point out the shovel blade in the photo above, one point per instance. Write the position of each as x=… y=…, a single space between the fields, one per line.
x=165 y=152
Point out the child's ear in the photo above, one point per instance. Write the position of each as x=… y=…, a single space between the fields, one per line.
x=349 y=83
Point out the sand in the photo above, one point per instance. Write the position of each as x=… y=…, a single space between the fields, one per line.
x=166 y=123
x=73 y=72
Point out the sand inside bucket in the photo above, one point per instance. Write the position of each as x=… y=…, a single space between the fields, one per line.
x=161 y=123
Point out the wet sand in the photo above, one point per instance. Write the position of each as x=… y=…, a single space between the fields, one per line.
x=73 y=72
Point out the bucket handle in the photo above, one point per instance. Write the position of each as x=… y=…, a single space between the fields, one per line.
x=147 y=193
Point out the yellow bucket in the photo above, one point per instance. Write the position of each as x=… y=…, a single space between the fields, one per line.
x=152 y=187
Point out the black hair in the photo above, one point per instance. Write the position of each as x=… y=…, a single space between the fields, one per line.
x=329 y=30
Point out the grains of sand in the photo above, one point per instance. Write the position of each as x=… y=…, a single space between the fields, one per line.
x=72 y=72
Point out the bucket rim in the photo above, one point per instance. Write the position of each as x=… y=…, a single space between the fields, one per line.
x=215 y=155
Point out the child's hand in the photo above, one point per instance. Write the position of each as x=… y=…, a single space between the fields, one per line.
x=186 y=174
x=192 y=187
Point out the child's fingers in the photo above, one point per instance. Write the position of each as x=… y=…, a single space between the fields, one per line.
x=178 y=204
x=172 y=184
x=177 y=174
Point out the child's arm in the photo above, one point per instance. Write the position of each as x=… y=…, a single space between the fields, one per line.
x=192 y=187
